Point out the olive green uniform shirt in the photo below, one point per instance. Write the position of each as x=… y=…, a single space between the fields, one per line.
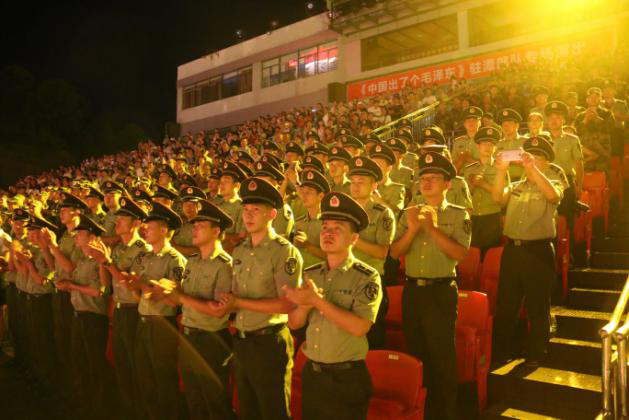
x=183 y=235
x=458 y=194
x=109 y=223
x=39 y=261
x=312 y=228
x=259 y=272
x=86 y=274
x=354 y=287
x=482 y=201
x=464 y=144
x=380 y=231
x=125 y=258
x=515 y=171
x=567 y=149
x=233 y=207
x=424 y=259
x=393 y=194
x=69 y=249
x=284 y=221
x=402 y=175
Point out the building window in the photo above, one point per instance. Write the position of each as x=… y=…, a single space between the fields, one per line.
x=288 y=65
x=327 y=57
x=270 y=72
x=308 y=62
x=424 y=39
x=218 y=87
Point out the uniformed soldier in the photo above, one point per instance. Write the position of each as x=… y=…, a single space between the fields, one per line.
x=94 y=199
x=312 y=189
x=182 y=239
x=339 y=301
x=389 y=193
x=285 y=221
x=263 y=347
x=231 y=203
x=434 y=238
x=123 y=259
x=213 y=185
x=113 y=191
x=410 y=158
x=373 y=243
x=167 y=177
x=293 y=152
x=480 y=176
x=338 y=165
x=164 y=196
x=156 y=335
x=353 y=145
x=89 y=285
x=206 y=350
x=464 y=148
x=400 y=173
x=509 y=120
x=527 y=268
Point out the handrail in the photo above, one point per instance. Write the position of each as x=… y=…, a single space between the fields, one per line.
x=607 y=333
x=408 y=116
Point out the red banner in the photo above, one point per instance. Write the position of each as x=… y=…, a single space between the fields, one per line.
x=469 y=68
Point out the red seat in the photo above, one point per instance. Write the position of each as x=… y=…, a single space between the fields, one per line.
x=468 y=270
x=616 y=184
x=394 y=334
x=583 y=226
x=295 y=397
x=490 y=275
x=625 y=162
x=563 y=252
x=109 y=351
x=473 y=341
x=595 y=183
x=397 y=380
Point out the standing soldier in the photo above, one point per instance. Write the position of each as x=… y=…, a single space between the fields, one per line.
x=510 y=120
x=400 y=173
x=434 y=238
x=337 y=163
x=113 y=191
x=527 y=268
x=263 y=347
x=123 y=258
x=182 y=239
x=464 y=148
x=313 y=187
x=231 y=203
x=284 y=222
x=339 y=300
x=389 y=193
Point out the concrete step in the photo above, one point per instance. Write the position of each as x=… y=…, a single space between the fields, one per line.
x=598 y=278
x=575 y=355
x=578 y=324
x=615 y=260
x=592 y=299
x=610 y=244
x=543 y=391
x=502 y=411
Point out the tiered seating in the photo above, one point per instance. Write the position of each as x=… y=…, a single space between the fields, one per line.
x=469 y=270
x=490 y=275
x=595 y=183
x=563 y=252
x=394 y=334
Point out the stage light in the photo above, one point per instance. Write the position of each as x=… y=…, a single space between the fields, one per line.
x=240 y=34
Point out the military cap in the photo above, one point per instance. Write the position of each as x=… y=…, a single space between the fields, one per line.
x=537 y=114
x=139 y=195
x=397 y=145
x=509 y=114
x=371 y=138
x=541 y=90
x=491 y=134
x=187 y=179
x=472 y=112
x=404 y=122
x=180 y=158
x=144 y=180
x=232 y=169
x=364 y=166
x=257 y=190
x=340 y=206
x=215 y=173
x=270 y=145
x=556 y=107
x=338 y=153
x=86 y=223
x=432 y=162
x=314 y=163
x=95 y=193
x=272 y=160
x=316 y=180
x=432 y=133
x=166 y=169
x=161 y=192
x=192 y=193
x=343 y=132
x=37 y=222
x=313 y=134
x=165 y=214
x=266 y=168
x=318 y=149
x=111 y=186
x=242 y=155
x=437 y=148
x=20 y=214
x=572 y=94
x=71 y=200
x=294 y=147
x=247 y=170
x=351 y=141
x=405 y=134
x=128 y=207
x=594 y=90
x=384 y=152
x=210 y=212
x=539 y=146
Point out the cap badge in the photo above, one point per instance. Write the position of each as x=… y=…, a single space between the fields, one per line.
x=427 y=132
x=534 y=142
x=359 y=162
x=190 y=190
x=505 y=113
x=378 y=149
x=137 y=193
x=253 y=186
x=123 y=202
x=490 y=131
x=334 y=201
x=428 y=159
x=310 y=175
x=553 y=105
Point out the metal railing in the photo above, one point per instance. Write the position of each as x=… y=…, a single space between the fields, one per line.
x=420 y=119
x=614 y=380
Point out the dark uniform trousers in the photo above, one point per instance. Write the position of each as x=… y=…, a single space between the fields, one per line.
x=263 y=367
x=486 y=231
x=14 y=321
x=526 y=272
x=124 y=327
x=40 y=337
x=428 y=319
x=377 y=333
x=21 y=325
x=62 y=318
x=336 y=392
x=156 y=344
x=91 y=373
x=204 y=360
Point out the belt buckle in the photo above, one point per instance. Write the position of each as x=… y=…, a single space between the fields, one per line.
x=118 y=305
x=316 y=367
x=421 y=282
x=517 y=242
x=241 y=334
x=186 y=330
x=143 y=319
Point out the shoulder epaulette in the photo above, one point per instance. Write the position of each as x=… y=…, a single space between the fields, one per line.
x=460 y=177
x=282 y=240
x=471 y=164
x=224 y=257
x=459 y=138
x=300 y=218
x=556 y=168
x=314 y=267
x=456 y=206
x=365 y=269
x=196 y=254
x=379 y=207
x=139 y=243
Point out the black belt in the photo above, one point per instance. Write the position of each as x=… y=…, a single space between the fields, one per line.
x=419 y=281
x=191 y=330
x=262 y=331
x=120 y=305
x=30 y=296
x=147 y=318
x=524 y=242
x=323 y=367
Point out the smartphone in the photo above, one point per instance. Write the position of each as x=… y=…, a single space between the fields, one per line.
x=511 y=155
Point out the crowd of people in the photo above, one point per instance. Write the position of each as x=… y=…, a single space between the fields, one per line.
x=285 y=231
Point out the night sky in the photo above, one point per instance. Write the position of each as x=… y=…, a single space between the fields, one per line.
x=122 y=56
